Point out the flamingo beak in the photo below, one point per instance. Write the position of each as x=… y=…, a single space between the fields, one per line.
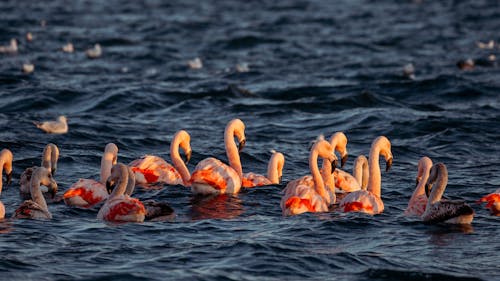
x=343 y=160
x=54 y=171
x=9 y=178
x=388 y=164
x=428 y=187
x=241 y=145
x=52 y=189
x=188 y=156
x=334 y=164
x=110 y=185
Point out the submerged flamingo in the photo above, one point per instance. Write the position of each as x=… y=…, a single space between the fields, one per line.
x=274 y=172
x=439 y=210
x=151 y=169
x=369 y=201
x=36 y=208
x=120 y=207
x=86 y=193
x=211 y=176
x=493 y=202
x=308 y=193
x=6 y=158
x=418 y=200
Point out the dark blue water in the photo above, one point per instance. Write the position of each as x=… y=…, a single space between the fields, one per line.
x=315 y=67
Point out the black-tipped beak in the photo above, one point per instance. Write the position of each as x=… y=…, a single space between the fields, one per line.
x=109 y=186
x=188 y=156
x=52 y=189
x=9 y=178
x=428 y=187
x=241 y=145
x=53 y=171
x=343 y=161
x=388 y=165
x=334 y=165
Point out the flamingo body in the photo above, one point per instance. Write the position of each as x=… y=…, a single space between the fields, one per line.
x=211 y=176
x=150 y=169
x=345 y=181
x=85 y=193
x=122 y=208
x=362 y=201
x=493 y=202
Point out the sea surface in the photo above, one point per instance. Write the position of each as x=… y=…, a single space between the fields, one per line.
x=314 y=67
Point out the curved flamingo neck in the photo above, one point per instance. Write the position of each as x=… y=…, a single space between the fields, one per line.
x=232 y=152
x=424 y=167
x=122 y=182
x=360 y=171
x=109 y=158
x=275 y=167
x=317 y=178
x=375 y=180
x=5 y=163
x=50 y=157
x=36 y=193
x=179 y=164
x=131 y=182
x=440 y=185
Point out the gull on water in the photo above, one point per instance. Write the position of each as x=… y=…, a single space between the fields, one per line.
x=11 y=48
x=94 y=52
x=68 y=48
x=195 y=63
x=28 y=68
x=54 y=127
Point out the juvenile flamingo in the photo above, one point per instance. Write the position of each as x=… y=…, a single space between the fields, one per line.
x=438 y=210
x=5 y=164
x=493 y=204
x=120 y=207
x=308 y=193
x=50 y=156
x=211 y=176
x=418 y=200
x=369 y=201
x=36 y=208
x=86 y=193
x=150 y=168
x=274 y=172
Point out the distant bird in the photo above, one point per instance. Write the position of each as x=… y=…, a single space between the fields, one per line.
x=53 y=127
x=409 y=71
x=467 y=64
x=29 y=37
x=94 y=52
x=68 y=48
x=439 y=210
x=195 y=63
x=28 y=68
x=11 y=48
x=242 y=67
x=490 y=45
x=36 y=208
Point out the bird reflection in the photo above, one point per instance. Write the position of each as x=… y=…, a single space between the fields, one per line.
x=442 y=235
x=224 y=206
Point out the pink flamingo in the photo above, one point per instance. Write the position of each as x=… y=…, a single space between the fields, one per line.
x=493 y=202
x=211 y=176
x=308 y=193
x=151 y=169
x=36 y=208
x=418 y=200
x=5 y=164
x=438 y=210
x=86 y=193
x=274 y=172
x=50 y=156
x=120 y=207
x=339 y=142
x=369 y=201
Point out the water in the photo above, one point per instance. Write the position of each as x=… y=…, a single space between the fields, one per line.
x=315 y=67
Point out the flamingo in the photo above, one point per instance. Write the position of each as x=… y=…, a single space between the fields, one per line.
x=274 y=172
x=308 y=193
x=36 y=208
x=438 y=210
x=211 y=176
x=369 y=201
x=418 y=200
x=493 y=204
x=50 y=156
x=120 y=207
x=339 y=142
x=5 y=164
x=86 y=193
x=150 y=168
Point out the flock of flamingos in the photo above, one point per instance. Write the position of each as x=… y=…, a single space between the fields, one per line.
x=325 y=188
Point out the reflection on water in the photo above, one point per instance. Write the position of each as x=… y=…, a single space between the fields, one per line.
x=215 y=207
x=445 y=234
